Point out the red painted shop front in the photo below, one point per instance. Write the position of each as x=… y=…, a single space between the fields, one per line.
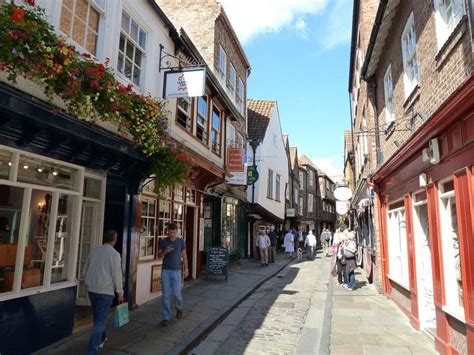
x=426 y=213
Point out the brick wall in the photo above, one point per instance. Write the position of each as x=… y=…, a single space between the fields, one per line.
x=440 y=71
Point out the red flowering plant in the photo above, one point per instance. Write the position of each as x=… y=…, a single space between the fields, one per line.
x=30 y=47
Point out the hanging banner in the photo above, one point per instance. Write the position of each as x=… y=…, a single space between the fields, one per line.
x=184 y=83
x=236 y=169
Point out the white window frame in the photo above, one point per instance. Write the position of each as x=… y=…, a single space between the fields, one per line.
x=301 y=180
x=446 y=21
x=295 y=193
x=310 y=203
x=71 y=260
x=152 y=236
x=388 y=95
x=452 y=304
x=100 y=30
x=222 y=65
x=411 y=71
x=310 y=178
x=277 y=187
x=232 y=81
x=398 y=246
x=270 y=184
x=136 y=46
x=300 y=206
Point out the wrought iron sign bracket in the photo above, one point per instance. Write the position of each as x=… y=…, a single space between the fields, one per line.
x=182 y=64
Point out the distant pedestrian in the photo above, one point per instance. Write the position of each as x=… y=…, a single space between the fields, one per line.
x=263 y=243
x=103 y=272
x=172 y=249
x=326 y=237
x=340 y=238
x=296 y=239
x=273 y=245
x=310 y=243
x=289 y=244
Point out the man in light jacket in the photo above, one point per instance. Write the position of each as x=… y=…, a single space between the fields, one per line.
x=103 y=278
x=263 y=243
x=310 y=242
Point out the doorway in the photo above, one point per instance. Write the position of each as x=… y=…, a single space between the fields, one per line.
x=189 y=225
x=427 y=313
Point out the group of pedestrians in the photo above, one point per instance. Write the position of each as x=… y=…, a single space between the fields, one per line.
x=293 y=240
x=345 y=253
x=267 y=245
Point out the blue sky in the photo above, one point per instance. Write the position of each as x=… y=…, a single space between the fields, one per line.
x=299 y=53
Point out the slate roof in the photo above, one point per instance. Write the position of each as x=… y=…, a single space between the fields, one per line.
x=304 y=160
x=259 y=114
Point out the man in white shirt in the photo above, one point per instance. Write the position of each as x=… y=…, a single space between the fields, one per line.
x=263 y=243
x=103 y=278
x=310 y=242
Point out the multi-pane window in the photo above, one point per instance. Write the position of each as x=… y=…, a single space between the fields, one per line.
x=450 y=241
x=232 y=137
x=301 y=178
x=270 y=184
x=277 y=187
x=240 y=96
x=222 y=67
x=80 y=19
x=300 y=206
x=147 y=230
x=184 y=113
x=448 y=13
x=216 y=130
x=310 y=202
x=232 y=81
x=164 y=218
x=388 y=93
x=410 y=61
x=131 y=49
x=310 y=178
x=397 y=241
x=201 y=119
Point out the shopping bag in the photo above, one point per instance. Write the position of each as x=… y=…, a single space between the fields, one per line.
x=121 y=315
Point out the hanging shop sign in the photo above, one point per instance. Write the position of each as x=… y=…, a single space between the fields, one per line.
x=290 y=212
x=252 y=175
x=184 y=83
x=342 y=193
x=342 y=207
x=236 y=169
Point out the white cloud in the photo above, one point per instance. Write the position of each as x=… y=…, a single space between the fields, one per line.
x=253 y=17
x=301 y=27
x=338 y=24
x=332 y=167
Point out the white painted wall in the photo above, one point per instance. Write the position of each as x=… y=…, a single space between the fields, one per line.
x=271 y=154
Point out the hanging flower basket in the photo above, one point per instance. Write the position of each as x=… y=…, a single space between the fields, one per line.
x=29 y=47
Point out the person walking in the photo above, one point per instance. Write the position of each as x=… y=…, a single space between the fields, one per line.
x=172 y=249
x=310 y=242
x=349 y=248
x=326 y=240
x=263 y=243
x=289 y=244
x=339 y=238
x=103 y=272
x=273 y=245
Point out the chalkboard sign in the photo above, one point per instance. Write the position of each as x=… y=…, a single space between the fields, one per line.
x=217 y=263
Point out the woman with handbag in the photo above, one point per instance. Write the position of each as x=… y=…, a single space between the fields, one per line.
x=340 y=260
x=349 y=254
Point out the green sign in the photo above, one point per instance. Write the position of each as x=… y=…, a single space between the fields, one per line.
x=252 y=175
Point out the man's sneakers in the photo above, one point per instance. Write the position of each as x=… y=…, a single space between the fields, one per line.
x=101 y=345
x=165 y=322
x=179 y=313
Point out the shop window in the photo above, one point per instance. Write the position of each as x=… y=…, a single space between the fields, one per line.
x=178 y=217
x=131 y=50
x=277 y=187
x=448 y=13
x=229 y=224
x=201 y=119
x=179 y=193
x=184 y=113
x=270 y=184
x=397 y=243
x=147 y=229
x=148 y=186
x=216 y=131
x=5 y=164
x=164 y=217
x=450 y=248
x=410 y=61
x=190 y=196
x=92 y=188
x=80 y=20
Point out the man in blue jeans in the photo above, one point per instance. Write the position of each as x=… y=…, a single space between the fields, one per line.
x=103 y=278
x=172 y=249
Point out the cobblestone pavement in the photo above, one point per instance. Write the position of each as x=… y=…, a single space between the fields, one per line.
x=301 y=311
